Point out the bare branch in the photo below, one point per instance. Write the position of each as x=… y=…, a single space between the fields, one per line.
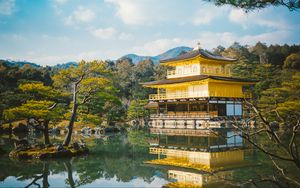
x=246 y=136
x=283 y=172
x=80 y=79
x=53 y=106
x=34 y=181
x=292 y=143
x=270 y=132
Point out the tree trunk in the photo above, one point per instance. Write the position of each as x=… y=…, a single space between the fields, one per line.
x=45 y=175
x=68 y=167
x=46 y=132
x=73 y=118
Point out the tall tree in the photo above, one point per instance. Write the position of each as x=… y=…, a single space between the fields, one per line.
x=42 y=107
x=83 y=83
x=125 y=75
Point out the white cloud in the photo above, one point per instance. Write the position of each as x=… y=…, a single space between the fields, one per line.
x=276 y=37
x=149 y=12
x=18 y=38
x=7 y=7
x=238 y=16
x=249 y=19
x=109 y=33
x=61 y=1
x=81 y=14
x=135 y=11
x=158 y=46
x=55 y=59
x=105 y=33
x=211 y=40
x=125 y=36
x=206 y=17
x=84 y=15
x=207 y=13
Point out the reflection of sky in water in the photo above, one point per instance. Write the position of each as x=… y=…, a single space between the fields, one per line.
x=12 y=182
x=138 y=182
x=58 y=180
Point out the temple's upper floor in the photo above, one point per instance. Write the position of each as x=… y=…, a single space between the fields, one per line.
x=198 y=62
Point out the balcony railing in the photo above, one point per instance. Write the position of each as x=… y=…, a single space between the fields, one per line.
x=162 y=96
x=184 y=95
x=173 y=74
x=181 y=116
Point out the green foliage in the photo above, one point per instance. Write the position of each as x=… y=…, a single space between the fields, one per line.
x=292 y=61
x=36 y=109
x=258 y=4
x=12 y=76
x=136 y=110
x=130 y=77
x=38 y=90
x=103 y=107
x=285 y=99
x=139 y=138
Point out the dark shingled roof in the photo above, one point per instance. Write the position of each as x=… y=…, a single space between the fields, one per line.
x=196 y=78
x=199 y=52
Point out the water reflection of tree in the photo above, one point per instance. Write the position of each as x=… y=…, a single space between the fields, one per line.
x=113 y=158
x=43 y=176
x=70 y=181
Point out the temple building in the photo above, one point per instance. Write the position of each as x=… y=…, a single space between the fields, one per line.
x=197 y=93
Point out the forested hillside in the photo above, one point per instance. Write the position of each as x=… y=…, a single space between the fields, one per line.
x=277 y=69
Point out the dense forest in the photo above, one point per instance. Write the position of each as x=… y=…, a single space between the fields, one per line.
x=275 y=67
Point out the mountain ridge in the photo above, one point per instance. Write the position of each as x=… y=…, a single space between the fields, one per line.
x=171 y=53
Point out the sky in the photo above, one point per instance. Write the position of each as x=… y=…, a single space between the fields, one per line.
x=48 y=32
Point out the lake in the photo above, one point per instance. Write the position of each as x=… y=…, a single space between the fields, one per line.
x=139 y=159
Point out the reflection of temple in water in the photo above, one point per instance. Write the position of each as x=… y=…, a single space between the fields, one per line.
x=191 y=160
x=191 y=179
x=223 y=140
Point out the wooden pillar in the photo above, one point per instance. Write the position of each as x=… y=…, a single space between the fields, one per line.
x=166 y=108
x=208 y=106
x=174 y=125
x=208 y=142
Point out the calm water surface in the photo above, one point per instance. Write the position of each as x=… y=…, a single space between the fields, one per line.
x=122 y=160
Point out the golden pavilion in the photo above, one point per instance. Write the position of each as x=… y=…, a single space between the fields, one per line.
x=197 y=93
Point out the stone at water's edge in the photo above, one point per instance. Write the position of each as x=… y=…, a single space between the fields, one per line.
x=49 y=152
